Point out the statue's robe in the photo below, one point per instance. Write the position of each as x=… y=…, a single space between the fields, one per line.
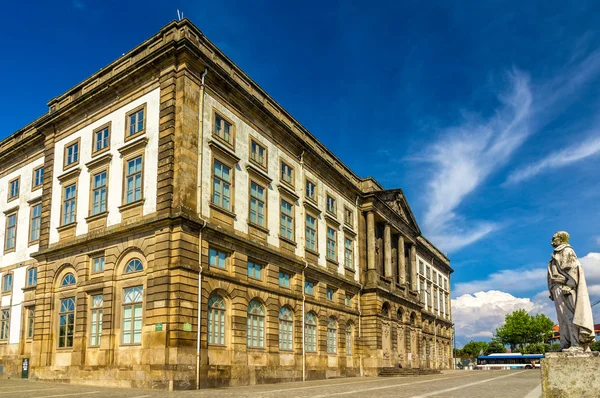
x=567 y=286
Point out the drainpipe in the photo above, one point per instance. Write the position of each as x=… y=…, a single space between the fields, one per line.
x=435 y=362
x=199 y=305
x=360 y=362
x=304 y=323
x=199 y=207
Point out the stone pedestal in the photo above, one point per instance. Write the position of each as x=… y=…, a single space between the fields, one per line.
x=571 y=374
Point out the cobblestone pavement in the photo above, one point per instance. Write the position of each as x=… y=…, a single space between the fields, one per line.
x=456 y=384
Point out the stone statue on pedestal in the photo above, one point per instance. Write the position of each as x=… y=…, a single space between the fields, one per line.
x=568 y=290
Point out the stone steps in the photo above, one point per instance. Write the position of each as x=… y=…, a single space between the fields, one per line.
x=396 y=372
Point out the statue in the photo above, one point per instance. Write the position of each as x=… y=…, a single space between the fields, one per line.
x=568 y=290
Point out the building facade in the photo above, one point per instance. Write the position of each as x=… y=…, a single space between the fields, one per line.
x=168 y=225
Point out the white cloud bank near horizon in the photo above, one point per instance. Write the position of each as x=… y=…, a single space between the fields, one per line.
x=480 y=307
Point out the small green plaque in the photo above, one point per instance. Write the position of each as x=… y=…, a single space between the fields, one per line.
x=187 y=327
x=158 y=327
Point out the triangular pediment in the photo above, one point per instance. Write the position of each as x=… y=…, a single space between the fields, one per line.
x=396 y=200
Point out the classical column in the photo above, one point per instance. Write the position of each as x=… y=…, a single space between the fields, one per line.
x=387 y=250
x=371 y=240
x=413 y=267
x=401 y=263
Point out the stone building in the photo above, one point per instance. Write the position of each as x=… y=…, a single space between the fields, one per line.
x=167 y=224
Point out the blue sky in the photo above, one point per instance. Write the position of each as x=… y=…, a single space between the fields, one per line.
x=485 y=113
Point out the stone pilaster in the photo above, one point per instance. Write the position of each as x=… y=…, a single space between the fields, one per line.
x=413 y=267
x=401 y=262
x=371 y=241
x=387 y=250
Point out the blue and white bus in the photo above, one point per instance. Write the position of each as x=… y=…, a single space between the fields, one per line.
x=509 y=361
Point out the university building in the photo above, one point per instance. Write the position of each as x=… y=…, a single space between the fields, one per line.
x=167 y=224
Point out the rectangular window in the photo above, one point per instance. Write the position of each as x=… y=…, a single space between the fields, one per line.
x=96 y=321
x=136 y=122
x=13 y=191
x=30 y=321
x=66 y=322
x=221 y=185
x=309 y=287
x=36 y=222
x=69 y=204
x=99 y=189
x=331 y=240
x=258 y=154
x=32 y=276
x=72 y=154
x=348 y=253
x=349 y=340
x=97 y=264
x=38 y=177
x=7 y=283
x=311 y=190
x=4 y=323
x=421 y=291
x=329 y=294
x=132 y=315
x=223 y=129
x=11 y=232
x=421 y=268
x=348 y=217
x=257 y=204
x=330 y=204
x=101 y=138
x=217 y=258
x=254 y=270
x=284 y=279
x=311 y=233
x=348 y=300
x=133 y=180
x=287 y=173
x=287 y=220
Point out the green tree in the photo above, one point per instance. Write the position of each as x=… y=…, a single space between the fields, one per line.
x=474 y=348
x=495 y=347
x=595 y=346
x=521 y=329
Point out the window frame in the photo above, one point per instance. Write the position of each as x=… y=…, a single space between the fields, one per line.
x=289 y=280
x=97 y=256
x=7 y=276
x=129 y=137
x=32 y=208
x=64 y=199
x=331 y=253
x=231 y=167
x=286 y=329
x=5 y=323
x=15 y=227
x=315 y=196
x=105 y=126
x=34 y=178
x=282 y=214
x=224 y=119
x=68 y=145
x=261 y=268
x=256 y=326
x=132 y=318
x=66 y=313
x=329 y=293
x=93 y=189
x=349 y=339
x=309 y=287
x=332 y=336
x=350 y=249
x=133 y=156
x=315 y=231
x=31 y=271
x=226 y=261
x=265 y=164
x=348 y=217
x=333 y=211
x=311 y=333
x=221 y=319
x=95 y=332
x=285 y=163
x=11 y=197
x=264 y=202
x=29 y=322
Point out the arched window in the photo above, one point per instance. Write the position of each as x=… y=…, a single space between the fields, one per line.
x=134 y=265
x=256 y=325
x=412 y=319
x=286 y=329
x=216 y=321
x=310 y=333
x=332 y=336
x=132 y=315
x=349 y=338
x=385 y=310
x=66 y=321
x=7 y=282
x=399 y=314
x=68 y=280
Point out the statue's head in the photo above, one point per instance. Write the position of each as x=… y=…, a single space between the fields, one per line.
x=560 y=238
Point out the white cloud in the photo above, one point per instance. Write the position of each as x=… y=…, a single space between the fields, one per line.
x=466 y=155
x=517 y=280
x=477 y=316
x=561 y=158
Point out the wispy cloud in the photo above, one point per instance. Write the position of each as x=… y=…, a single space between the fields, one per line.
x=466 y=154
x=508 y=280
x=557 y=159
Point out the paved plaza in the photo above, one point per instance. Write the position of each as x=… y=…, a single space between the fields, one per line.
x=457 y=384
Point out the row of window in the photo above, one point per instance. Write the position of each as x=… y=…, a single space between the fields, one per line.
x=135 y=126
x=426 y=271
x=220 y=259
x=14 y=185
x=256 y=331
x=35 y=221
